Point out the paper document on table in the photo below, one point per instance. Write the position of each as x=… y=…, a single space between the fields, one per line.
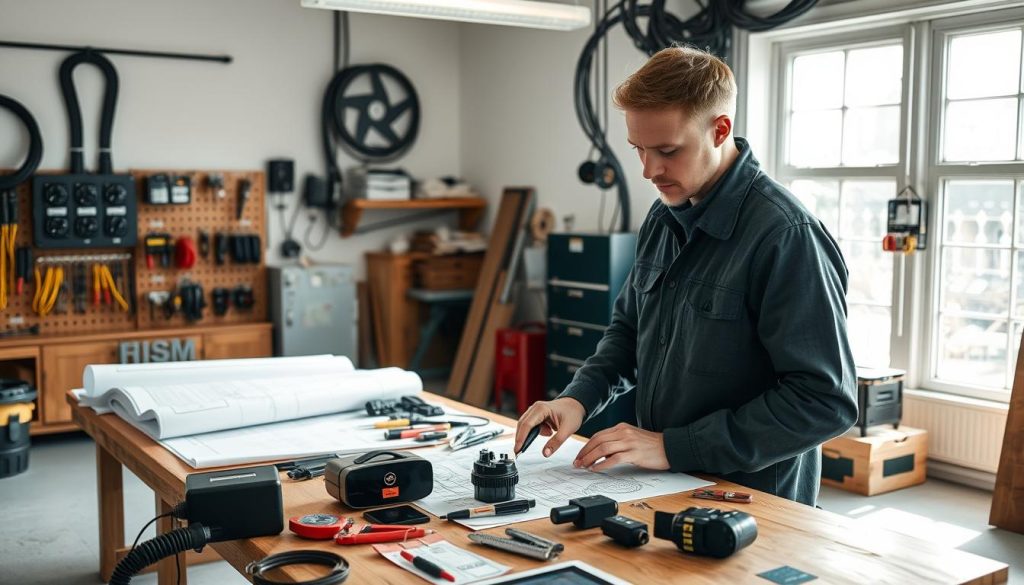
x=464 y=565
x=341 y=433
x=552 y=481
x=166 y=402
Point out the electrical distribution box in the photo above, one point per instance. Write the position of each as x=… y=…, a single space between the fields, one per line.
x=314 y=310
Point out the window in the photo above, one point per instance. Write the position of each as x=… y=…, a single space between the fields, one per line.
x=857 y=122
x=978 y=310
x=842 y=136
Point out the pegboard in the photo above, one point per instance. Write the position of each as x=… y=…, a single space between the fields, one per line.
x=213 y=213
x=207 y=211
x=63 y=320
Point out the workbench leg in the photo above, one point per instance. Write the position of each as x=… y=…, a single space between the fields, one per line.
x=110 y=493
x=167 y=573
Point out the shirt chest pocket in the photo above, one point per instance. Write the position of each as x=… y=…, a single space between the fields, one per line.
x=713 y=328
x=646 y=282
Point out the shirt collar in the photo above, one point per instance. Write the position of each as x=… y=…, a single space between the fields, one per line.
x=719 y=211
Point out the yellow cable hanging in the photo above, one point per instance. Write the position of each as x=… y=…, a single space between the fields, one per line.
x=12 y=240
x=44 y=292
x=39 y=290
x=96 y=286
x=54 y=291
x=109 y=278
x=5 y=232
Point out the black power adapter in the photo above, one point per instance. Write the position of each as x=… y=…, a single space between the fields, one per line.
x=219 y=505
x=236 y=503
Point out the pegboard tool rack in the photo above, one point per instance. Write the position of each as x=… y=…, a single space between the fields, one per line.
x=208 y=210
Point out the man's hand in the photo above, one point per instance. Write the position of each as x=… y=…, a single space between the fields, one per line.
x=560 y=417
x=623 y=443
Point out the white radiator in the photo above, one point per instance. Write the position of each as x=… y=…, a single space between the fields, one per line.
x=966 y=432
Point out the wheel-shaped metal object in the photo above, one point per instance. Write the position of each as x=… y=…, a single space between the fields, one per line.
x=376 y=112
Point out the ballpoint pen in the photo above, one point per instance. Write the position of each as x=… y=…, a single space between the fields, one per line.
x=476 y=439
x=499 y=509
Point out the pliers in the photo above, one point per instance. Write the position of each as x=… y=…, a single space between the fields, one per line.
x=376 y=533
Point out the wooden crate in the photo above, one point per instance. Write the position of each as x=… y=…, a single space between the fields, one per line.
x=460 y=271
x=886 y=459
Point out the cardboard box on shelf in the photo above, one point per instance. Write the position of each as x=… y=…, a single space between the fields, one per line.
x=886 y=459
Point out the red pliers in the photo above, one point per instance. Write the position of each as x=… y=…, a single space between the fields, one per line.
x=376 y=533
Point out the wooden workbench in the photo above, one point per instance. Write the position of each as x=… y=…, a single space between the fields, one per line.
x=833 y=547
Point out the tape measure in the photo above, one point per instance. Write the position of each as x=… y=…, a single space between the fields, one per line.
x=317 y=526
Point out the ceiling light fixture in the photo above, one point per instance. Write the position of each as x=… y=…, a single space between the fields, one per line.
x=525 y=13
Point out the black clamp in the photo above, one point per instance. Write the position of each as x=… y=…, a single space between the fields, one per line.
x=243 y=298
x=192 y=301
x=221 y=301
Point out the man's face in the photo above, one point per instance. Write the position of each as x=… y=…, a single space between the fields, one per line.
x=678 y=152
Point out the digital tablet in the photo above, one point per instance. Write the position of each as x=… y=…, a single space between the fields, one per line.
x=567 y=573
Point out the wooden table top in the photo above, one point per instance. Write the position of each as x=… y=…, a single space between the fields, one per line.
x=831 y=546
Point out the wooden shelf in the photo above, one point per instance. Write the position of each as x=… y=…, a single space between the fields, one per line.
x=470 y=210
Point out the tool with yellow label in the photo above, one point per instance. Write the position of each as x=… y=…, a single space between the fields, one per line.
x=706 y=531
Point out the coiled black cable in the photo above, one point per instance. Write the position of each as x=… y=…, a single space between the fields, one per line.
x=35 y=144
x=67 y=87
x=192 y=537
x=337 y=564
x=710 y=28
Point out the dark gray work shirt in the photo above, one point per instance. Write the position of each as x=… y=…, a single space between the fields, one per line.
x=732 y=327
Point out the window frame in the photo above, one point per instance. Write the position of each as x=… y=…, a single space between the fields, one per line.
x=938 y=172
x=787 y=49
x=913 y=343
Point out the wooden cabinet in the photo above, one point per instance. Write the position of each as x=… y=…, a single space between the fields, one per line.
x=395 y=317
x=62 y=371
x=55 y=365
x=243 y=343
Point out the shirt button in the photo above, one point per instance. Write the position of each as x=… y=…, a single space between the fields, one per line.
x=662 y=340
x=672 y=284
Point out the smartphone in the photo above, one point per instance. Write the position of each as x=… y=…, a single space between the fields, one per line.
x=397 y=515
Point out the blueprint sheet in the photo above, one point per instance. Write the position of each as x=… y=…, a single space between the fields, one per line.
x=551 y=481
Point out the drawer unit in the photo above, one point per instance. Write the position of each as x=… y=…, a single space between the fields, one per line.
x=585 y=274
x=584 y=304
x=560 y=371
x=576 y=340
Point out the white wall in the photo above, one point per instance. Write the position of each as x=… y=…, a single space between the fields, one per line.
x=519 y=126
x=197 y=115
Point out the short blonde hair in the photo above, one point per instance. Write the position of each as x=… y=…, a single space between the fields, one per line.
x=682 y=77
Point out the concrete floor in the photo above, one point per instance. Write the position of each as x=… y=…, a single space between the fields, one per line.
x=49 y=529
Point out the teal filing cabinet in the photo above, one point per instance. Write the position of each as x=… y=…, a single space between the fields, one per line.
x=585 y=274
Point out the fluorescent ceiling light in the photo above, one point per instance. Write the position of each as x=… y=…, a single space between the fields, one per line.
x=527 y=13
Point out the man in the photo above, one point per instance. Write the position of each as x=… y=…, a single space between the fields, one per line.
x=732 y=325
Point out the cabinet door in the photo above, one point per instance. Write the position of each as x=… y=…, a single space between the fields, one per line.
x=63 y=365
x=244 y=343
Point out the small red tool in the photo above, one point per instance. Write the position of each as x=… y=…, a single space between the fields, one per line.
x=723 y=495
x=377 y=533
